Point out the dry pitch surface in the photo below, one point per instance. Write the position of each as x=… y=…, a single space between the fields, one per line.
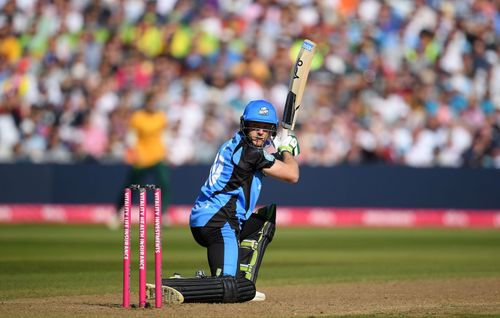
x=417 y=298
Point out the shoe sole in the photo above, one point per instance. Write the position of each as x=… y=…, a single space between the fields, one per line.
x=169 y=294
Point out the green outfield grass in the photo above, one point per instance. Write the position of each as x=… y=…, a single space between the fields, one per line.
x=49 y=260
x=58 y=260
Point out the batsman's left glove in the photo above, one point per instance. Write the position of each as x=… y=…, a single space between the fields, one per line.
x=288 y=142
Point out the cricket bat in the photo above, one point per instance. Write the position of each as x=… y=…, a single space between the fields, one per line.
x=298 y=79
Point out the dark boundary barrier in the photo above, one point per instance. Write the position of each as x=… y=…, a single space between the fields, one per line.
x=340 y=186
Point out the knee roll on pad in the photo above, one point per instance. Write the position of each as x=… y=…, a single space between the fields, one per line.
x=224 y=289
x=253 y=247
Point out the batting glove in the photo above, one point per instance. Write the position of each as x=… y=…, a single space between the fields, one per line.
x=289 y=143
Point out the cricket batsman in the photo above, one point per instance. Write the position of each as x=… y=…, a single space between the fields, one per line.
x=222 y=219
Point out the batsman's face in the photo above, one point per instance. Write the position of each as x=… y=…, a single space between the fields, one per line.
x=259 y=133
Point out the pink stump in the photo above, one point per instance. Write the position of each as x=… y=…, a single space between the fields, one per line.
x=158 y=255
x=142 y=248
x=126 y=248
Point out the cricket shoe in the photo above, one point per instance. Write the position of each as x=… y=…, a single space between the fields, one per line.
x=169 y=294
x=259 y=296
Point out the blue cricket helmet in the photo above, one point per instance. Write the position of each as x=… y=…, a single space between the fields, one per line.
x=260 y=111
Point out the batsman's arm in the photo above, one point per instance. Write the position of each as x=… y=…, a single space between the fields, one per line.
x=286 y=170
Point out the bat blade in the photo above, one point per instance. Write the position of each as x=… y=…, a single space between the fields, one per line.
x=298 y=80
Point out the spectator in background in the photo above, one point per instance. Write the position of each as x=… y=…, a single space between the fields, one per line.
x=187 y=116
x=148 y=153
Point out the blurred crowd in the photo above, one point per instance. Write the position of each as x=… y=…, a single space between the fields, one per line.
x=394 y=81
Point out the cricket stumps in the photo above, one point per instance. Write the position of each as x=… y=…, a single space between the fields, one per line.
x=127 y=221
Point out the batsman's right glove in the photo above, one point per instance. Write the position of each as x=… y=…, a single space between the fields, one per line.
x=289 y=142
